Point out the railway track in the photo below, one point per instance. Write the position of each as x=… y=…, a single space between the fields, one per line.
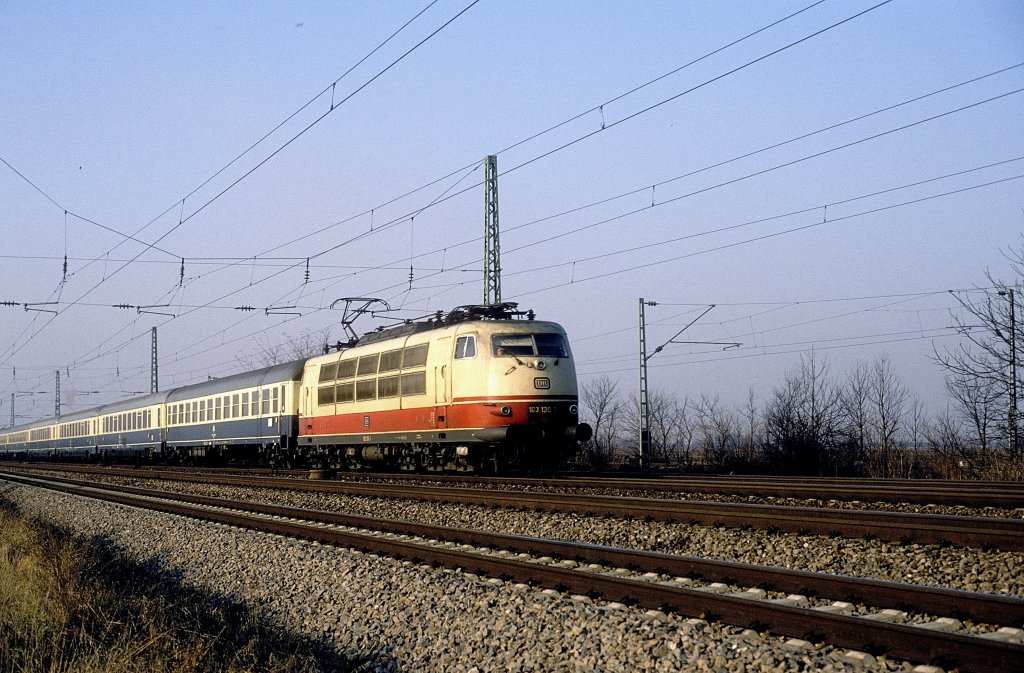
x=592 y=570
x=1003 y=494
x=965 y=531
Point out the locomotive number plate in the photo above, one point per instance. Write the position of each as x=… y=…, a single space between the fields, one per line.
x=542 y=410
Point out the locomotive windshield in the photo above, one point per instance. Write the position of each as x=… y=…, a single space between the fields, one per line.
x=543 y=344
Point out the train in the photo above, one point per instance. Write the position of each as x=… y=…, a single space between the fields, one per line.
x=483 y=388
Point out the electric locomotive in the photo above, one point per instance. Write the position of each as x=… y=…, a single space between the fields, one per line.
x=485 y=388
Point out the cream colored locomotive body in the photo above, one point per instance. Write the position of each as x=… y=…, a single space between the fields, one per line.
x=468 y=395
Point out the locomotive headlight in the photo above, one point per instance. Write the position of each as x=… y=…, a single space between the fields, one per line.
x=573 y=409
x=506 y=410
x=541 y=365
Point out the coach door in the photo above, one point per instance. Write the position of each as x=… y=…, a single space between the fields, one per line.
x=442 y=381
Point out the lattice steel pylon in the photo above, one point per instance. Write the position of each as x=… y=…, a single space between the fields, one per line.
x=154 y=381
x=492 y=248
x=644 y=440
x=56 y=405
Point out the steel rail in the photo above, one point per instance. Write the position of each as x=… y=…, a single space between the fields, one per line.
x=1007 y=534
x=966 y=531
x=949 y=650
x=1003 y=494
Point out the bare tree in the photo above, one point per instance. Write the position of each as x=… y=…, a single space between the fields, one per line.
x=600 y=398
x=749 y=417
x=982 y=362
x=664 y=415
x=889 y=405
x=915 y=433
x=686 y=432
x=977 y=399
x=718 y=430
x=802 y=421
x=266 y=352
x=946 y=438
x=855 y=401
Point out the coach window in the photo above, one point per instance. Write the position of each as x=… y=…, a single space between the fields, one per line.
x=256 y=403
x=390 y=361
x=216 y=409
x=195 y=411
x=245 y=404
x=234 y=406
x=275 y=402
x=368 y=364
x=325 y=395
x=388 y=386
x=347 y=369
x=345 y=392
x=366 y=389
x=265 y=407
x=414 y=384
x=465 y=347
x=414 y=356
x=328 y=371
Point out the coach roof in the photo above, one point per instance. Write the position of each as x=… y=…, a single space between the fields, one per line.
x=289 y=371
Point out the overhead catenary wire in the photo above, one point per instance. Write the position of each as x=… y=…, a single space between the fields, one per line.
x=10 y=353
x=406 y=216
x=469 y=241
x=889 y=207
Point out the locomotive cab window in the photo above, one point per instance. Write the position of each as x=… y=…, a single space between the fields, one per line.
x=543 y=344
x=465 y=347
x=508 y=345
x=551 y=345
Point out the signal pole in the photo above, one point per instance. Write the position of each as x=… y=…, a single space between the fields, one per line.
x=12 y=410
x=492 y=249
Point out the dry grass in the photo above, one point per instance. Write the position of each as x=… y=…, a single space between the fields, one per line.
x=75 y=605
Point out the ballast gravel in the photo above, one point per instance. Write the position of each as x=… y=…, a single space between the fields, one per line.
x=407 y=617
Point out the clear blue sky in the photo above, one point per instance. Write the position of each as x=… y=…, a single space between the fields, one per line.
x=119 y=113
